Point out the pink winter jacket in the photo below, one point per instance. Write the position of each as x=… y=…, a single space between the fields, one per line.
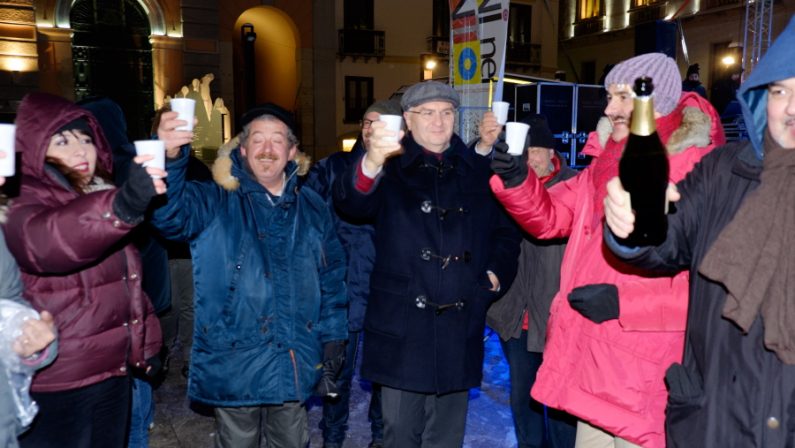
x=611 y=374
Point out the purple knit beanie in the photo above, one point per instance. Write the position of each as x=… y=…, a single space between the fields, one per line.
x=663 y=72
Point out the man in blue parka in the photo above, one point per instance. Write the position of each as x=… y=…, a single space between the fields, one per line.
x=269 y=277
x=733 y=229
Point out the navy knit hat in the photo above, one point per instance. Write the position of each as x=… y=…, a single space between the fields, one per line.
x=661 y=69
x=269 y=109
x=385 y=107
x=426 y=91
x=539 y=134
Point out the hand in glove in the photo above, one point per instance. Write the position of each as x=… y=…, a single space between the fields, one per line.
x=511 y=169
x=597 y=302
x=134 y=195
x=154 y=366
x=683 y=384
x=333 y=359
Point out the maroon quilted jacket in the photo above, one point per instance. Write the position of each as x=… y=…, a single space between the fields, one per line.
x=75 y=261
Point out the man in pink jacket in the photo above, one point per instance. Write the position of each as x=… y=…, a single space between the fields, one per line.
x=611 y=333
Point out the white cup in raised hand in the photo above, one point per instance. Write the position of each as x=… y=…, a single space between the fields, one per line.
x=156 y=148
x=394 y=123
x=185 y=107
x=7 y=138
x=500 y=109
x=515 y=134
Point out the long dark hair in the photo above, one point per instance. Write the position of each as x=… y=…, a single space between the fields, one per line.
x=74 y=178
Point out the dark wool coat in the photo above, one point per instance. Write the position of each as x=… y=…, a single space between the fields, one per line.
x=355 y=235
x=269 y=286
x=426 y=209
x=74 y=260
x=739 y=393
x=537 y=282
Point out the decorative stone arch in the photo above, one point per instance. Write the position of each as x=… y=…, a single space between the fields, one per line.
x=157 y=19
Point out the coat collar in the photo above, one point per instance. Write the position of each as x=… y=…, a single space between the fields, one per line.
x=457 y=151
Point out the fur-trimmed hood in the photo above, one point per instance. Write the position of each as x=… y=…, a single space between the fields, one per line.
x=222 y=167
x=694 y=122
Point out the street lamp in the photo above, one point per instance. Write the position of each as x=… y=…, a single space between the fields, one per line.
x=427 y=64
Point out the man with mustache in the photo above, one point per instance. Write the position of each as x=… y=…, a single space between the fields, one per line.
x=611 y=332
x=269 y=281
x=733 y=230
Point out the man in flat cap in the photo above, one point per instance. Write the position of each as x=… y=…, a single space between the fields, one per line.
x=444 y=251
x=269 y=281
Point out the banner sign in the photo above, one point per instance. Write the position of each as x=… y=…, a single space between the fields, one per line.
x=479 y=30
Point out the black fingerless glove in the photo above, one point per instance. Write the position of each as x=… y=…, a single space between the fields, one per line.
x=154 y=366
x=333 y=359
x=134 y=195
x=597 y=302
x=511 y=169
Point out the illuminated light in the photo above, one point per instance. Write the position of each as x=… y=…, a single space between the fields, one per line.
x=430 y=64
x=347 y=144
x=517 y=81
x=15 y=64
x=728 y=60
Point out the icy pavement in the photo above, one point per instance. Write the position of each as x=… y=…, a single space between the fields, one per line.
x=489 y=424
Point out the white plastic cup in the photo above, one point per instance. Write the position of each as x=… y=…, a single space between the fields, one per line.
x=393 y=123
x=152 y=147
x=500 y=109
x=185 y=107
x=7 y=139
x=515 y=134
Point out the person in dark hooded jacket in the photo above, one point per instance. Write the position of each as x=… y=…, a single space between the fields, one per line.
x=733 y=229
x=66 y=231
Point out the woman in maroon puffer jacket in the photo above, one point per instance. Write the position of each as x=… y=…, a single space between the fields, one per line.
x=67 y=231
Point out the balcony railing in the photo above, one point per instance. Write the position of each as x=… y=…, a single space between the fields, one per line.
x=523 y=54
x=361 y=44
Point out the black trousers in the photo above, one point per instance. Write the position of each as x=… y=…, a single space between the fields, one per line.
x=88 y=417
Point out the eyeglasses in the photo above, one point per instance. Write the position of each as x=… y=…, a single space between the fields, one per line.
x=365 y=123
x=429 y=114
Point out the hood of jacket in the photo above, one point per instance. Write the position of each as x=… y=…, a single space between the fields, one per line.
x=776 y=65
x=694 y=122
x=228 y=166
x=39 y=116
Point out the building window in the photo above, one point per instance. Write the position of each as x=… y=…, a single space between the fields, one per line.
x=358 y=96
x=642 y=3
x=589 y=9
x=519 y=21
x=358 y=14
x=441 y=18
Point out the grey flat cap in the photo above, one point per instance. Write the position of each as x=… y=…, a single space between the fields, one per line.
x=422 y=92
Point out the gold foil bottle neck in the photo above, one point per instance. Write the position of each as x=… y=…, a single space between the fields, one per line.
x=643 y=116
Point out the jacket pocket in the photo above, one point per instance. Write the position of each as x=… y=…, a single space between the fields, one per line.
x=386 y=309
x=683 y=423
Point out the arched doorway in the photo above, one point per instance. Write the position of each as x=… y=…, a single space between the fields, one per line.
x=275 y=53
x=112 y=57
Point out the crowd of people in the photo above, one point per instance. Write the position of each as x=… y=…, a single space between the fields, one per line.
x=407 y=247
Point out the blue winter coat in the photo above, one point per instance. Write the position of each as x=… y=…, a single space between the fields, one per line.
x=269 y=285
x=356 y=235
x=425 y=208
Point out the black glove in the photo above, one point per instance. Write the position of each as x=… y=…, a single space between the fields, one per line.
x=134 y=195
x=154 y=365
x=333 y=359
x=683 y=385
x=597 y=302
x=511 y=169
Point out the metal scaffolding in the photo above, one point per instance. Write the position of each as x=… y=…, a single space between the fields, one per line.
x=758 y=27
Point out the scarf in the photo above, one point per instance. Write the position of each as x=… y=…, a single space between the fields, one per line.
x=753 y=257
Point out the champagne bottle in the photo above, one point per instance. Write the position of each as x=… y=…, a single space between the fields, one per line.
x=643 y=171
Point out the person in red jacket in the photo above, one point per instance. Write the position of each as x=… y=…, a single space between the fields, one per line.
x=612 y=332
x=67 y=232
